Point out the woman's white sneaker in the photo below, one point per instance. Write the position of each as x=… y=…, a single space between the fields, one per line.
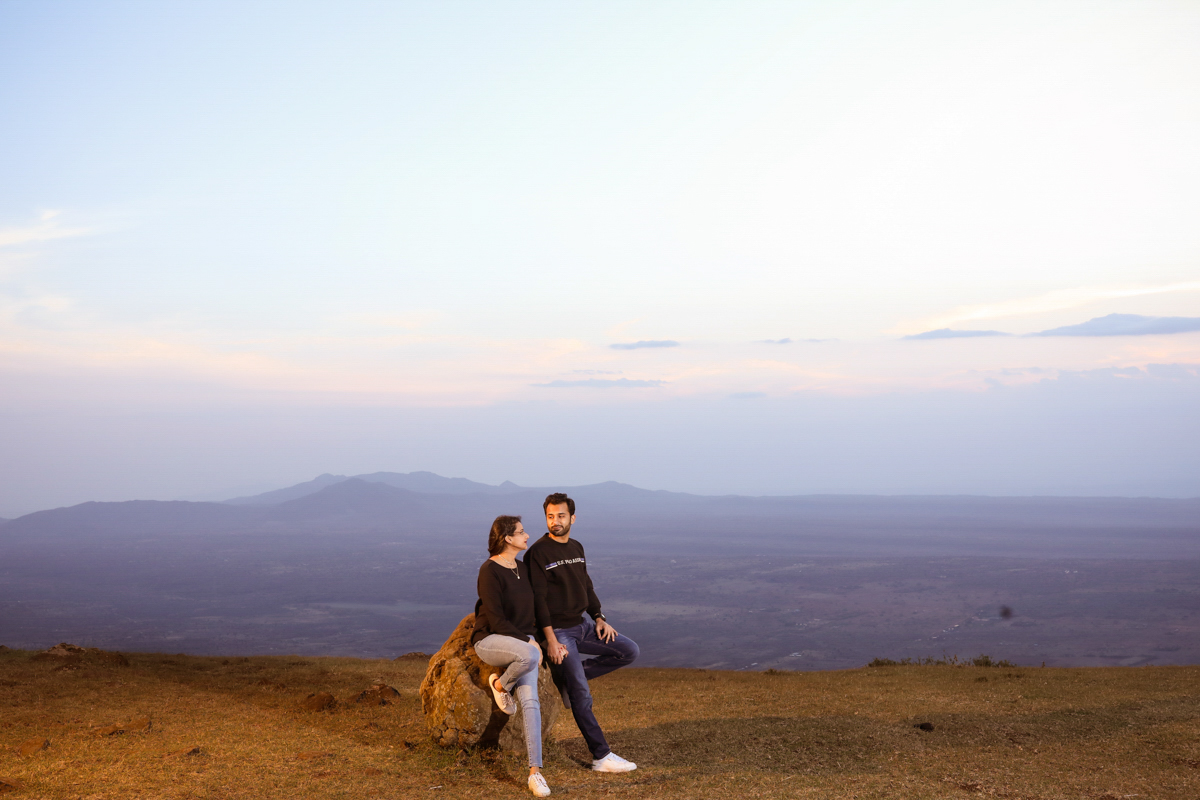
x=537 y=785
x=613 y=763
x=503 y=698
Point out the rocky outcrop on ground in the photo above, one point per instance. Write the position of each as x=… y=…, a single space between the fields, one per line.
x=459 y=708
x=31 y=746
x=319 y=701
x=377 y=694
x=70 y=656
x=135 y=725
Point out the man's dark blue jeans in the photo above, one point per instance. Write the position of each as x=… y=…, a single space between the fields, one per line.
x=583 y=640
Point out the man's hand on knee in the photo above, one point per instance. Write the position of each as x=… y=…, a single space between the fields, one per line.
x=605 y=631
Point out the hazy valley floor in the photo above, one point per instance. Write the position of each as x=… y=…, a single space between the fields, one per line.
x=371 y=570
x=782 y=610
x=1019 y=733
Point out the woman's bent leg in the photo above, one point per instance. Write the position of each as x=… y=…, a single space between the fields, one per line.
x=505 y=651
x=521 y=658
x=531 y=713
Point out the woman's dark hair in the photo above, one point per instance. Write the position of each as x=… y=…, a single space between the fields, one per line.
x=503 y=526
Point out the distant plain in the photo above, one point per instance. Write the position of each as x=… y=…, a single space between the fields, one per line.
x=367 y=568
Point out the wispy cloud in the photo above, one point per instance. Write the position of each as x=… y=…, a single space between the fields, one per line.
x=1044 y=303
x=644 y=344
x=44 y=230
x=947 y=333
x=1126 y=325
x=793 y=341
x=601 y=383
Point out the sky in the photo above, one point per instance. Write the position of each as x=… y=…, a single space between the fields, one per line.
x=690 y=246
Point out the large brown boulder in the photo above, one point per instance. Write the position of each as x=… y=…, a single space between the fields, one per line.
x=459 y=708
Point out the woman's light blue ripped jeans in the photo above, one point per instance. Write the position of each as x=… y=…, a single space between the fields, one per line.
x=520 y=679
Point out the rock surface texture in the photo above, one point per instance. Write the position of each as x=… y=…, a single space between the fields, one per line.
x=459 y=708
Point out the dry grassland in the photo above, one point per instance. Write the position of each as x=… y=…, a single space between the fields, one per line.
x=235 y=728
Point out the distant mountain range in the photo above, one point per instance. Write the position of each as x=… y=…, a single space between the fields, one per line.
x=1110 y=325
x=456 y=510
x=425 y=482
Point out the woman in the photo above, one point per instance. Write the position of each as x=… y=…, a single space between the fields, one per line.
x=503 y=637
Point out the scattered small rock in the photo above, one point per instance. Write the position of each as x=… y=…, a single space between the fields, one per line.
x=188 y=751
x=62 y=650
x=925 y=726
x=413 y=656
x=136 y=725
x=379 y=694
x=32 y=746
x=3 y=649
x=318 y=701
x=273 y=685
x=10 y=785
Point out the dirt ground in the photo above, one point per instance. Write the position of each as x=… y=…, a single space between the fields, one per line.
x=236 y=728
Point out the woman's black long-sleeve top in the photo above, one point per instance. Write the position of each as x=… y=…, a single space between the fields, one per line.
x=505 y=603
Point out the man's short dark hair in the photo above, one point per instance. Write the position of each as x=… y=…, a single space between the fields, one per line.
x=557 y=499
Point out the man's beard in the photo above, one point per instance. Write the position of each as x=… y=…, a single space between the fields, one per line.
x=560 y=530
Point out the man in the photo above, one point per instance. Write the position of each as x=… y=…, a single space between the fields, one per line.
x=562 y=591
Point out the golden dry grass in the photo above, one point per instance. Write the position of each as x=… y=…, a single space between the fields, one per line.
x=1021 y=733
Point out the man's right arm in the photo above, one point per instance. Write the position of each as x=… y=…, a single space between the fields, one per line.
x=537 y=580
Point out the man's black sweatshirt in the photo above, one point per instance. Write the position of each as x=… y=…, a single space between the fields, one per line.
x=562 y=590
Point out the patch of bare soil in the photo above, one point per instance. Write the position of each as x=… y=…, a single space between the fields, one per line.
x=204 y=728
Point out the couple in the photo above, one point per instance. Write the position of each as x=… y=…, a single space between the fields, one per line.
x=546 y=595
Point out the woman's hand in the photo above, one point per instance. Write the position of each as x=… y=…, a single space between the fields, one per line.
x=557 y=652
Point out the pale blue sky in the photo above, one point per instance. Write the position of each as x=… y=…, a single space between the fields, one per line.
x=453 y=211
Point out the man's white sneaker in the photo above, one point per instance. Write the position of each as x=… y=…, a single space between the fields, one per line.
x=537 y=785
x=613 y=763
x=503 y=698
